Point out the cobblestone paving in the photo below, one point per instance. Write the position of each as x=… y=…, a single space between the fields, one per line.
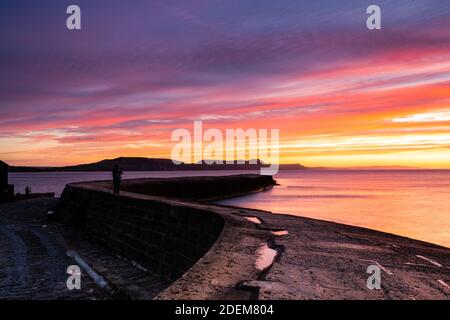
x=33 y=260
x=32 y=263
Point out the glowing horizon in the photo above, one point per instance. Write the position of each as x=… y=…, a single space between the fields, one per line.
x=341 y=95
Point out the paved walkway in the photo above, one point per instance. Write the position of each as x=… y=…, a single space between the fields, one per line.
x=32 y=262
x=33 y=259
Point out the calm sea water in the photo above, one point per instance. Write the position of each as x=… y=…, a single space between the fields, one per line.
x=414 y=203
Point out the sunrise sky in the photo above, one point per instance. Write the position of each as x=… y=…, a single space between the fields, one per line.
x=340 y=94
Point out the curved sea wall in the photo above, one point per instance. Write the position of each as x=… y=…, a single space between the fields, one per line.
x=206 y=188
x=166 y=236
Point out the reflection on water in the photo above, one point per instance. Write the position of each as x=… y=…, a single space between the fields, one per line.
x=414 y=203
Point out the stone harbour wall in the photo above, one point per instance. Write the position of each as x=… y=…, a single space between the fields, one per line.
x=167 y=239
x=200 y=188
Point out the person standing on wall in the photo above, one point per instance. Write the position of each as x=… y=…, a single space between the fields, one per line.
x=117 y=177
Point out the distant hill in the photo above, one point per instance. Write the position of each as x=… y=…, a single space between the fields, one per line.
x=294 y=166
x=147 y=164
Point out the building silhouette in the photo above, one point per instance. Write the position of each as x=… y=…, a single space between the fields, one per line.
x=6 y=190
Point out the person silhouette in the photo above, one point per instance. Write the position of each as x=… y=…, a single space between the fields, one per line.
x=117 y=177
x=27 y=191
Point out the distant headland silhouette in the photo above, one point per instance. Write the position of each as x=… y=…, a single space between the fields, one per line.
x=150 y=164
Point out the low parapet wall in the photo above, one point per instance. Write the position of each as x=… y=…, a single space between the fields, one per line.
x=165 y=235
x=196 y=188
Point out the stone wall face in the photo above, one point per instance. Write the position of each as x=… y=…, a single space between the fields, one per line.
x=166 y=238
x=200 y=188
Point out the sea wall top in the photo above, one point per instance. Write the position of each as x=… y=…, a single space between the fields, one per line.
x=200 y=188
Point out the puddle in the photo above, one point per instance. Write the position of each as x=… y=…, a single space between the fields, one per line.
x=429 y=260
x=280 y=233
x=253 y=219
x=442 y=282
x=265 y=257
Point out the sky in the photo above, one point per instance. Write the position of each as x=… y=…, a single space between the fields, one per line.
x=340 y=94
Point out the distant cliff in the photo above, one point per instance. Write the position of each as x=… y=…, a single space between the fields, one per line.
x=147 y=164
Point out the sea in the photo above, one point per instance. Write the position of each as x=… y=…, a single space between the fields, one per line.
x=411 y=203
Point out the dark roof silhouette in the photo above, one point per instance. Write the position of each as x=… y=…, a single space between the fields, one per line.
x=3 y=164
